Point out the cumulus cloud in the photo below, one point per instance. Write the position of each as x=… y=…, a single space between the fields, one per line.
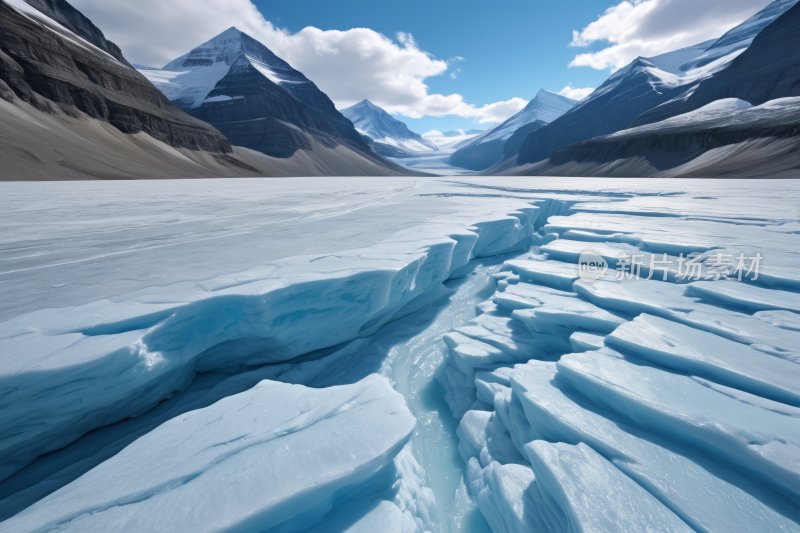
x=647 y=28
x=455 y=73
x=347 y=65
x=576 y=93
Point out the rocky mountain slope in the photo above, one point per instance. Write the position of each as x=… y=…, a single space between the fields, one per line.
x=743 y=121
x=257 y=100
x=725 y=126
x=741 y=36
x=72 y=107
x=768 y=69
x=51 y=68
x=391 y=137
x=638 y=88
x=70 y=18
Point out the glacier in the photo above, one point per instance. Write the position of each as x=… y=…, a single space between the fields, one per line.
x=398 y=355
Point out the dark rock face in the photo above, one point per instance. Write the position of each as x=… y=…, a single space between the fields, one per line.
x=480 y=156
x=675 y=141
x=249 y=118
x=640 y=93
x=72 y=19
x=514 y=143
x=244 y=90
x=768 y=69
x=624 y=96
x=742 y=35
x=43 y=69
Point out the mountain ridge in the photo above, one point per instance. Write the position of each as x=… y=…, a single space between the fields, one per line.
x=391 y=137
x=488 y=148
x=238 y=85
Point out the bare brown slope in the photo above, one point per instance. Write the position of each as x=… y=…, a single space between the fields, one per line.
x=35 y=145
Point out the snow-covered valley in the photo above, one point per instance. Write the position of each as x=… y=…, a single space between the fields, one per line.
x=399 y=355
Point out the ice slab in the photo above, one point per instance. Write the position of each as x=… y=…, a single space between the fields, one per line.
x=582 y=492
x=700 y=490
x=765 y=443
x=583 y=342
x=551 y=273
x=502 y=494
x=744 y=295
x=276 y=454
x=708 y=356
x=574 y=313
x=526 y=296
x=671 y=301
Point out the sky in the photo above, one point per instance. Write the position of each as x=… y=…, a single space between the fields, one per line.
x=434 y=64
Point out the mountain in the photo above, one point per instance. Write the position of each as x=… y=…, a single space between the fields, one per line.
x=626 y=94
x=741 y=36
x=73 y=20
x=634 y=90
x=728 y=138
x=259 y=101
x=487 y=149
x=768 y=69
x=391 y=137
x=53 y=69
x=743 y=121
x=72 y=108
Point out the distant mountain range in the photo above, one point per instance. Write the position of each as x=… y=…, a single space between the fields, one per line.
x=72 y=107
x=642 y=120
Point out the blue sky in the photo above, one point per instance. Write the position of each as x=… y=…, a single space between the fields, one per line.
x=510 y=48
x=436 y=64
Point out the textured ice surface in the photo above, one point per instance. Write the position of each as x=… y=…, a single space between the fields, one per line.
x=763 y=442
x=706 y=355
x=650 y=404
x=578 y=490
x=686 y=482
x=274 y=455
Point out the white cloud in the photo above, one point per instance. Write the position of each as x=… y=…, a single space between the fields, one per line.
x=576 y=93
x=455 y=73
x=650 y=27
x=347 y=65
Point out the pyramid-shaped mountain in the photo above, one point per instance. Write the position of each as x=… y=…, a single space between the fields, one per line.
x=488 y=148
x=391 y=137
x=254 y=97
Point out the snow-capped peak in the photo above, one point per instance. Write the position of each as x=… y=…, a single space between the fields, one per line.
x=545 y=106
x=381 y=127
x=188 y=80
x=741 y=36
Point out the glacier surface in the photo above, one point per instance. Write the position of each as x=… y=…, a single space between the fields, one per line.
x=399 y=355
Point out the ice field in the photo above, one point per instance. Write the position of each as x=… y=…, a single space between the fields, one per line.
x=398 y=354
